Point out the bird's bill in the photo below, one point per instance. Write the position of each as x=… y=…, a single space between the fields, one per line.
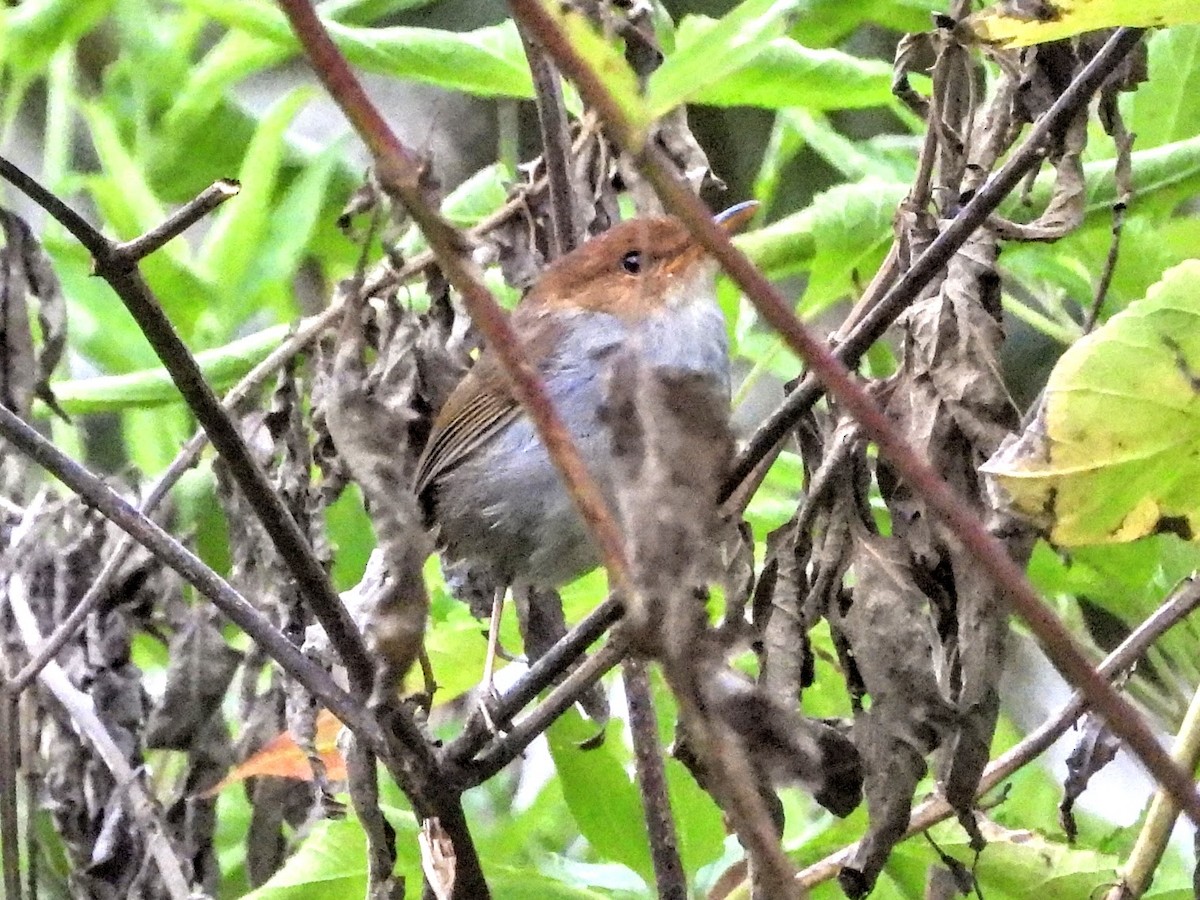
x=737 y=216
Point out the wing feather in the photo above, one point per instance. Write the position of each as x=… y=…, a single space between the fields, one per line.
x=480 y=406
x=483 y=403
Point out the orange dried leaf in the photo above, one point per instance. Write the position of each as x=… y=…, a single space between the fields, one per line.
x=283 y=758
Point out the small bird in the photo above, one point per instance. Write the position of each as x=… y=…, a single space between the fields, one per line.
x=484 y=476
x=485 y=479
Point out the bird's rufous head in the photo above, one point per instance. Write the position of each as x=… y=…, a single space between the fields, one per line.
x=634 y=268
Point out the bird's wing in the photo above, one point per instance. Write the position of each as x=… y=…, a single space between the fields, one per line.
x=480 y=406
x=483 y=403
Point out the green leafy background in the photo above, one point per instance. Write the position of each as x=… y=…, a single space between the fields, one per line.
x=831 y=156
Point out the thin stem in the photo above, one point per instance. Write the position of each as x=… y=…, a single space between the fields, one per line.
x=10 y=842
x=1160 y=820
x=652 y=782
x=540 y=676
x=130 y=252
x=512 y=744
x=556 y=146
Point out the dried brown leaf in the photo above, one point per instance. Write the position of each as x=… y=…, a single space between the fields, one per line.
x=890 y=633
x=200 y=667
x=28 y=283
x=437 y=858
x=370 y=414
x=1097 y=747
x=671 y=447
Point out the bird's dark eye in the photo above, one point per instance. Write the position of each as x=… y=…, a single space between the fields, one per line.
x=631 y=262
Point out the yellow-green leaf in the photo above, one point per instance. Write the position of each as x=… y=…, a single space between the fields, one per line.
x=1013 y=24
x=606 y=61
x=1114 y=453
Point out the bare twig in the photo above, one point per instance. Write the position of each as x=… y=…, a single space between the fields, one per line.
x=556 y=147
x=174 y=555
x=10 y=854
x=652 y=782
x=294 y=550
x=1124 y=182
x=128 y=253
x=543 y=673
x=512 y=744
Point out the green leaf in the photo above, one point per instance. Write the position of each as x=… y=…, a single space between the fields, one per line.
x=1113 y=455
x=102 y=331
x=826 y=22
x=126 y=198
x=890 y=160
x=331 y=862
x=457 y=646
x=602 y=799
x=236 y=237
x=707 y=51
x=783 y=247
x=852 y=229
x=130 y=207
x=785 y=73
x=477 y=197
x=293 y=223
x=232 y=58
x=153 y=437
x=1167 y=107
x=523 y=884
x=146 y=388
x=33 y=30
x=487 y=62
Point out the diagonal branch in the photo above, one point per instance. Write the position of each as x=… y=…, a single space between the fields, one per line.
x=1057 y=642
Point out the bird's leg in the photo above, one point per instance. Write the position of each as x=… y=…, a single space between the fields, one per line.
x=487 y=685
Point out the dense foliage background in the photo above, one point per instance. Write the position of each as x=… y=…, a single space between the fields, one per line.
x=128 y=108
